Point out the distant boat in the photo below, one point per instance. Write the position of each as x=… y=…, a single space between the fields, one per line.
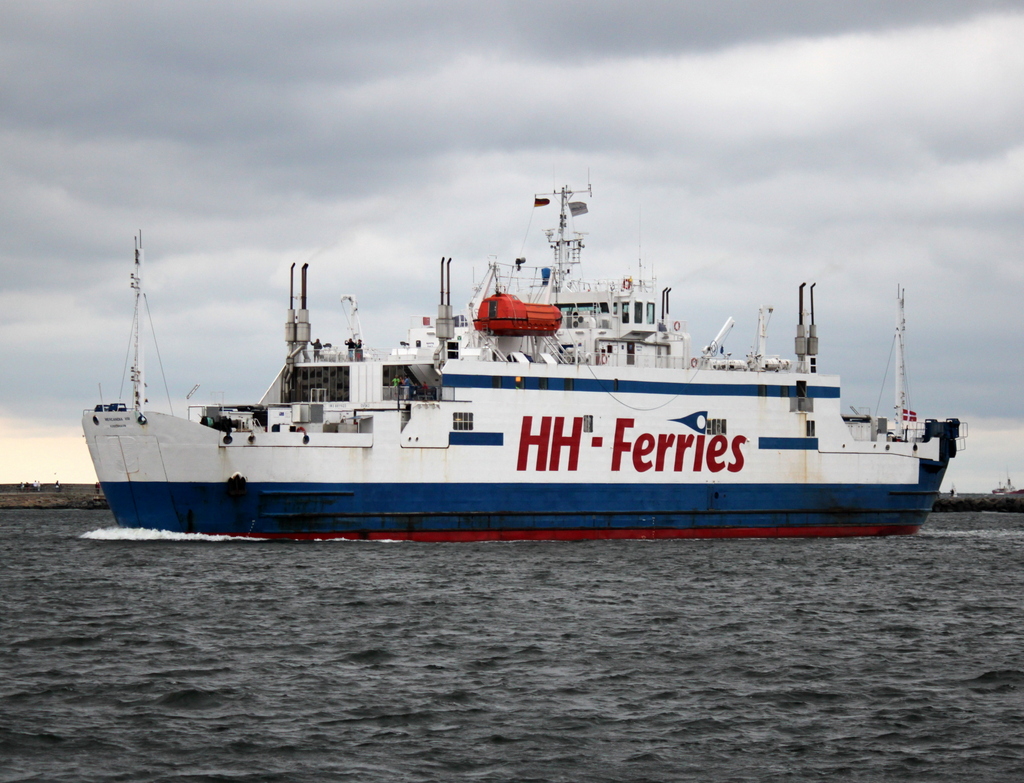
x=1007 y=488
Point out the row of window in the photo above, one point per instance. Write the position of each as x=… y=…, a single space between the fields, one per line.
x=634 y=311
x=462 y=421
x=638 y=312
x=568 y=384
x=784 y=391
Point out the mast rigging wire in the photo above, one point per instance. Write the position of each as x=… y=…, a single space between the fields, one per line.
x=127 y=353
x=892 y=347
x=159 y=361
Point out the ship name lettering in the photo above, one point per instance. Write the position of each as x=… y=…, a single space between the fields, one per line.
x=549 y=441
x=542 y=446
x=706 y=452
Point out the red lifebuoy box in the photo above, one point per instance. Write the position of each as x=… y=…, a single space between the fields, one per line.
x=508 y=316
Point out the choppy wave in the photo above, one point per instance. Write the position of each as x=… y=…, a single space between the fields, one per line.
x=857 y=660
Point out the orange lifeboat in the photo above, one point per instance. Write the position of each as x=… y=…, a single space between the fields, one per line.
x=508 y=316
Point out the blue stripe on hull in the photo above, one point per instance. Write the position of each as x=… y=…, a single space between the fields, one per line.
x=641 y=387
x=790 y=444
x=283 y=509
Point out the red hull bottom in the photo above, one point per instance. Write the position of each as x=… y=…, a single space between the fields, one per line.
x=815 y=531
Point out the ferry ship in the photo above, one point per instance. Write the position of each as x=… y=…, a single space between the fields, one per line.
x=551 y=408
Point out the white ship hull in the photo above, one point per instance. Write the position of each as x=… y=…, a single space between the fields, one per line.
x=528 y=469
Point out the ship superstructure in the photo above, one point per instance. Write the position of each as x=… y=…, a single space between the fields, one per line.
x=550 y=408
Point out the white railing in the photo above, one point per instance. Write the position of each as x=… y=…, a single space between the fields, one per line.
x=417 y=393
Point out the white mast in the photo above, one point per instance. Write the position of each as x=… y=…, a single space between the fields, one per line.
x=567 y=251
x=901 y=369
x=763 y=314
x=138 y=376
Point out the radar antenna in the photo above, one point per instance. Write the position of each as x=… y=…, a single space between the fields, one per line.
x=566 y=250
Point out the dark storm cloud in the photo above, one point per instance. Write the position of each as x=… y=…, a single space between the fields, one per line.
x=206 y=72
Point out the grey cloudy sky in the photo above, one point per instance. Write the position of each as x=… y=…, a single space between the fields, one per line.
x=739 y=148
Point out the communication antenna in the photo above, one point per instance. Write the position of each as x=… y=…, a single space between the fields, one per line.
x=138 y=374
x=901 y=410
x=566 y=250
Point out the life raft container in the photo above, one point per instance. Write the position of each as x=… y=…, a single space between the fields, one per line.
x=505 y=315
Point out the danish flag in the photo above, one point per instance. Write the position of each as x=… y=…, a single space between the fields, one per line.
x=909 y=415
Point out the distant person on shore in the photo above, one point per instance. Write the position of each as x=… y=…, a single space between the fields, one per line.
x=37 y=486
x=56 y=485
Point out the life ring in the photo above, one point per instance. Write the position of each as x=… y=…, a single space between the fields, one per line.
x=675 y=326
x=602 y=358
x=693 y=362
x=627 y=283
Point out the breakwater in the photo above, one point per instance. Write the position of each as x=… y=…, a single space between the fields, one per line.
x=48 y=496
x=1006 y=503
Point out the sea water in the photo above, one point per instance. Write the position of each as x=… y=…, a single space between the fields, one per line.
x=139 y=656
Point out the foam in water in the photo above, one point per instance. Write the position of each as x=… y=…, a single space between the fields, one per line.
x=972 y=533
x=143 y=534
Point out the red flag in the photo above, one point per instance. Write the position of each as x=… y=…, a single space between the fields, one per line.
x=909 y=415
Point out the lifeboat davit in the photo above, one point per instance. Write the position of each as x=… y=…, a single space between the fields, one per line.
x=508 y=316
